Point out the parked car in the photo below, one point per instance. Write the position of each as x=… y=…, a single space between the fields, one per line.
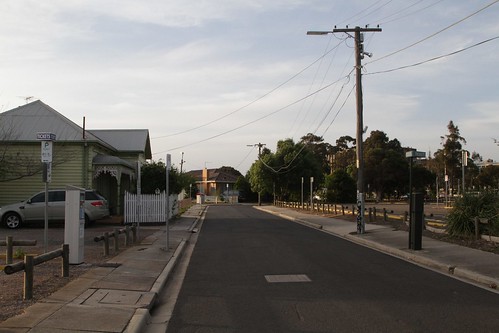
x=33 y=209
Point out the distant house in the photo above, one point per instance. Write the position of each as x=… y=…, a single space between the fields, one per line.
x=105 y=160
x=215 y=182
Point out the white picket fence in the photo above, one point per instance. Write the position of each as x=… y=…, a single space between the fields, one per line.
x=148 y=208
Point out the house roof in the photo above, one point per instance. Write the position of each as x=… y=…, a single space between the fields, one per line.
x=100 y=159
x=24 y=122
x=131 y=140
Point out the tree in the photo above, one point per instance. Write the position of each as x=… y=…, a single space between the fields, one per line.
x=322 y=150
x=153 y=176
x=386 y=168
x=343 y=154
x=488 y=177
x=341 y=187
x=284 y=170
x=244 y=187
x=449 y=157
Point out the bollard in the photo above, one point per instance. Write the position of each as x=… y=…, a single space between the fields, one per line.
x=370 y=214
x=385 y=216
x=127 y=235
x=10 y=250
x=342 y=210
x=416 y=225
x=406 y=216
x=335 y=211
x=28 y=277
x=477 y=231
x=116 y=238
x=106 y=243
x=65 y=260
x=374 y=210
x=353 y=210
x=134 y=234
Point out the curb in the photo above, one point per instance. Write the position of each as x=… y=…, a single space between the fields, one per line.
x=141 y=317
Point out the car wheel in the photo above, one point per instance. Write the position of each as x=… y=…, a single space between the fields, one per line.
x=12 y=220
x=88 y=222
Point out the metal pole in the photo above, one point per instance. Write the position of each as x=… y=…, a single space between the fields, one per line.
x=311 y=193
x=464 y=162
x=46 y=216
x=168 y=163
x=301 y=192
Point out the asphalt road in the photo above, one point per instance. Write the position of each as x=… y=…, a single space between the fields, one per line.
x=351 y=289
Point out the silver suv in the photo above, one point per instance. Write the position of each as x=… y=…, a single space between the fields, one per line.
x=33 y=209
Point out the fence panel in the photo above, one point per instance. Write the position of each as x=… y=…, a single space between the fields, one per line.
x=148 y=208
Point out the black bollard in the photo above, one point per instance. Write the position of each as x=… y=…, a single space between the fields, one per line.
x=416 y=222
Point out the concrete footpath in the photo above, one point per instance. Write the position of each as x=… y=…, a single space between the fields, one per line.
x=116 y=296
x=475 y=266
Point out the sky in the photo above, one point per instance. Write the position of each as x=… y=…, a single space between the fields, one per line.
x=211 y=79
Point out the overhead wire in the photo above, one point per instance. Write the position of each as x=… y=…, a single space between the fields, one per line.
x=313 y=81
x=253 y=101
x=286 y=167
x=254 y=120
x=434 y=34
x=434 y=58
x=408 y=14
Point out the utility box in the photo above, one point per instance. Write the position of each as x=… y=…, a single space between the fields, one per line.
x=74 y=223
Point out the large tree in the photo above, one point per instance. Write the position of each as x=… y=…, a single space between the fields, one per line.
x=386 y=170
x=341 y=187
x=153 y=176
x=449 y=157
x=284 y=169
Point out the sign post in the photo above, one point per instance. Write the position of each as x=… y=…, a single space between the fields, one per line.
x=167 y=190
x=46 y=139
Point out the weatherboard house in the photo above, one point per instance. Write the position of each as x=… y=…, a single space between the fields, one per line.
x=104 y=160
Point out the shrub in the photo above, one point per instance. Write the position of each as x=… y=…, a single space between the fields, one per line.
x=467 y=208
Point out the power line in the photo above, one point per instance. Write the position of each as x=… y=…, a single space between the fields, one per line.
x=435 y=58
x=252 y=102
x=253 y=121
x=434 y=34
x=408 y=14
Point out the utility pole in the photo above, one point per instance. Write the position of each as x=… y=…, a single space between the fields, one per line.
x=359 y=55
x=260 y=146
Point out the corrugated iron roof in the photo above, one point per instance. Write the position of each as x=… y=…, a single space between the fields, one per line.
x=24 y=122
x=132 y=140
